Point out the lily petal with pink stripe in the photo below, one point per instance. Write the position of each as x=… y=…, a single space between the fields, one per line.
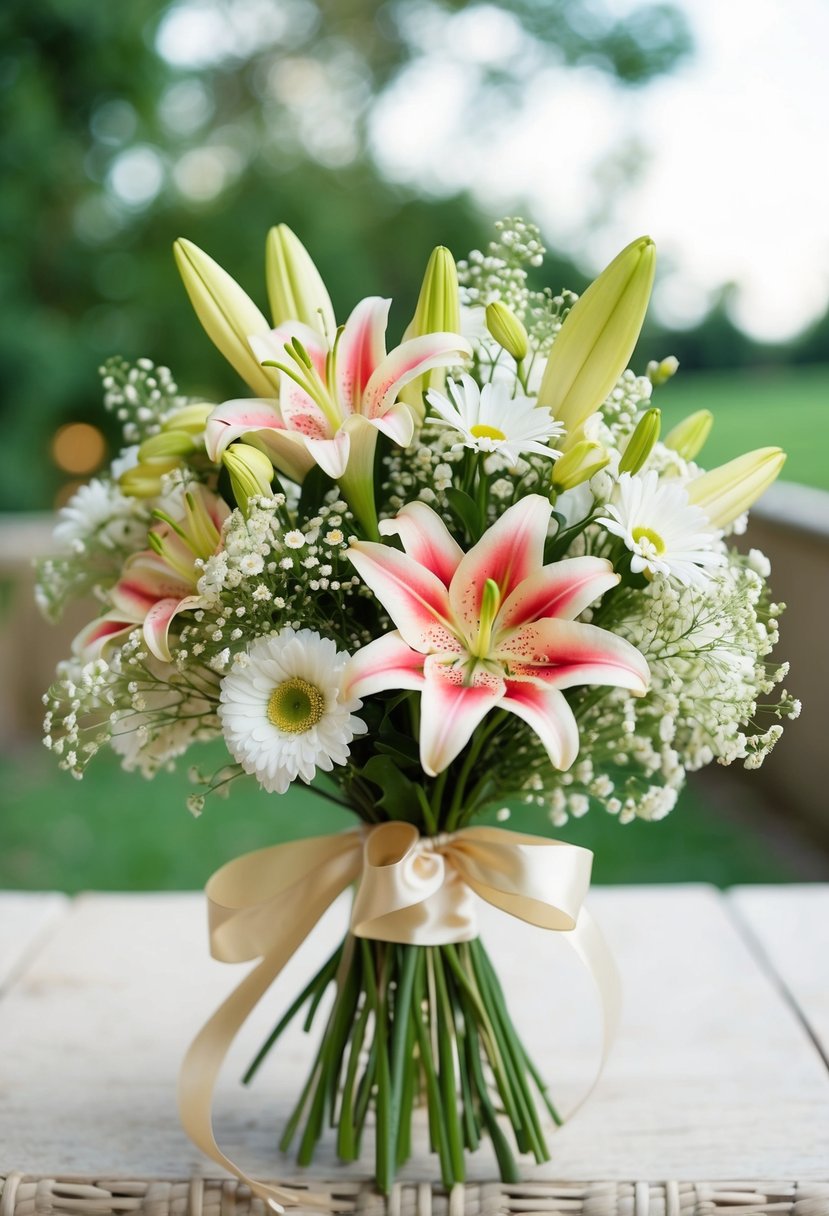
x=470 y=654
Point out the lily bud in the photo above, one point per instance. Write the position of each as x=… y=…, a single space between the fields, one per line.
x=228 y=314
x=438 y=311
x=581 y=462
x=166 y=444
x=190 y=418
x=251 y=473
x=660 y=373
x=595 y=343
x=144 y=480
x=641 y=443
x=507 y=330
x=295 y=288
x=728 y=491
x=688 y=437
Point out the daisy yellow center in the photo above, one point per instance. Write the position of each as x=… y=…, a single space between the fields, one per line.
x=652 y=540
x=481 y=431
x=295 y=706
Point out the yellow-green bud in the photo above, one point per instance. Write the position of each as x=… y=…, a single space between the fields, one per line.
x=594 y=345
x=166 y=444
x=295 y=288
x=728 y=491
x=438 y=311
x=581 y=462
x=660 y=373
x=251 y=473
x=228 y=314
x=144 y=481
x=641 y=443
x=688 y=437
x=507 y=330
x=190 y=418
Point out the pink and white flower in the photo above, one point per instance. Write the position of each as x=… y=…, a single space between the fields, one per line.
x=491 y=628
x=334 y=399
x=160 y=582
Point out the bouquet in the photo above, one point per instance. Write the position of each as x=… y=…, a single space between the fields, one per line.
x=429 y=584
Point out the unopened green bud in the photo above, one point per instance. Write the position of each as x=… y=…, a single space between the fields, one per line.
x=295 y=288
x=661 y=372
x=507 y=330
x=144 y=481
x=228 y=314
x=438 y=311
x=688 y=437
x=641 y=443
x=166 y=444
x=728 y=491
x=595 y=343
x=251 y=473
x=190 y=418
x=579 y=463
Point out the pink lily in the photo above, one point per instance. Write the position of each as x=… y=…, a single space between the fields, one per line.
x=160 y=582
x=491 y=628
x=334 y=399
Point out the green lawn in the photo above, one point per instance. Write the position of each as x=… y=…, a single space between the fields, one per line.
x=785 y=407
x=114 y=830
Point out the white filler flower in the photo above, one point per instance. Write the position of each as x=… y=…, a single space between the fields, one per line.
x=281 y=711
x=491 y=420
x=665 y=533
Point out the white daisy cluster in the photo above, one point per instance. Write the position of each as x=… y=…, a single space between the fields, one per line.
x=97 y=529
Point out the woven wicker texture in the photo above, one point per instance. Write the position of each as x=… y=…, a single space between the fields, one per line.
x=22 y=1196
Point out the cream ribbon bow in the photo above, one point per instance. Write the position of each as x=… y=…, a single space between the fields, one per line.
x=411 y=889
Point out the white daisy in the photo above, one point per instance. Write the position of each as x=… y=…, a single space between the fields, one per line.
x=282 y=713
x=491 y=420
x=665 y=533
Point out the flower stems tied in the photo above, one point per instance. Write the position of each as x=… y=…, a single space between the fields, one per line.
x=412 y=891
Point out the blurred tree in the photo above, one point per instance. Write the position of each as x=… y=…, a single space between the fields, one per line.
x=126 y=125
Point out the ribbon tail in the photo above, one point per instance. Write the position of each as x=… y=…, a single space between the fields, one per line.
x=206 y=1054
x=589 y=944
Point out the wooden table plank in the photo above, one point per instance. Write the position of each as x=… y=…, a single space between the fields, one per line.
x=713 y=1076
x=26 y=918
x=789 y=926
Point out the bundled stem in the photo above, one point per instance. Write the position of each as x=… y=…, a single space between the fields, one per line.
x=414 y=1025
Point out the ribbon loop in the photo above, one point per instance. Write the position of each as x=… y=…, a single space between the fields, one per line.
x=414 y=890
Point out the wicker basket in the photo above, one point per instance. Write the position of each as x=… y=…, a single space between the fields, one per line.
x=25 y=1196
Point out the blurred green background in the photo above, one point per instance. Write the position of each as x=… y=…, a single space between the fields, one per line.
x=127 y=125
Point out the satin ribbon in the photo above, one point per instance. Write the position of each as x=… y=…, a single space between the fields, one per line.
x=411 y=889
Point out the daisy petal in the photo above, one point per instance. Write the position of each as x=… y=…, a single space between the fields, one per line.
x=508 y=552
x=408 y=361
x=547 y=712
x=562 y=654
x=563 y=589
x=450 y=711
x=387 y=662
x=425 y=538
x=415 y=599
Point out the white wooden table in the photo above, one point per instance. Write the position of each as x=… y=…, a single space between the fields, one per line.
x=716 y=1098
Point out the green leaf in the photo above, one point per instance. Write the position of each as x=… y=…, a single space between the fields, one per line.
x=399 y=796
x=465 y=510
